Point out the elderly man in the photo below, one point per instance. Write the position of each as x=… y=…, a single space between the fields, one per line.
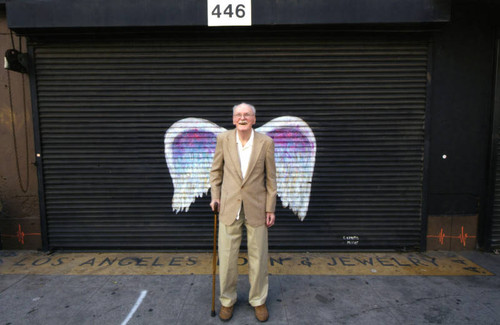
x=243 y=185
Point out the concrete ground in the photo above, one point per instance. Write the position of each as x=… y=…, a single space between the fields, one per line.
x=293 y=299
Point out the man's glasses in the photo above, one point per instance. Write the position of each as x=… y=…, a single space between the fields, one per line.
x=246 y=115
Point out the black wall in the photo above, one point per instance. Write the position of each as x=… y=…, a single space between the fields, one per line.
x=28 y=14
x=461 y=108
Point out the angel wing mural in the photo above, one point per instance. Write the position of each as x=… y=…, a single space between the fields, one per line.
x=189 y=150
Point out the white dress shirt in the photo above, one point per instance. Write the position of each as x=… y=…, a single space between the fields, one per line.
x=244 y=152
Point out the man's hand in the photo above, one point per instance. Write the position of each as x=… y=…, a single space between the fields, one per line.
x=212 y=205
x=270 y=217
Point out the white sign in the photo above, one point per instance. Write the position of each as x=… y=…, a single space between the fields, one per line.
x=229 y=12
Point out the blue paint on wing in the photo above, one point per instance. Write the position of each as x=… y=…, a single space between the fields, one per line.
x=290 y=142
x=193 y=147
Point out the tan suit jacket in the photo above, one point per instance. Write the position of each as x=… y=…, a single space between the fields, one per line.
x=257 y=190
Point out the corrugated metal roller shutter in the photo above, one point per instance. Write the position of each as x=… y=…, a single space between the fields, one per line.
x=493 y=233
x=495 y=223
x=105 y=104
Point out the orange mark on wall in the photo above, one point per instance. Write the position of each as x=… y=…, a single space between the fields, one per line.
x=441 y=236
x=20 y=234
x=462 y=237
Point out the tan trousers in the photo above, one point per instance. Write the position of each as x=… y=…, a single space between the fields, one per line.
x=229 y=246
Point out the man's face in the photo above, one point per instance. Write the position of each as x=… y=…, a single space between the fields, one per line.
x=243 y=118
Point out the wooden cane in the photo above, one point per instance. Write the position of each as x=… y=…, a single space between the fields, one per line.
x=214 y=258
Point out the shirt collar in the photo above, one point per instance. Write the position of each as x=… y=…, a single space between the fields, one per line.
x=249 y=142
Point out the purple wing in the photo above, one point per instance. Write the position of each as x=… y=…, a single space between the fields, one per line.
x=295 y=153
x=189 y=151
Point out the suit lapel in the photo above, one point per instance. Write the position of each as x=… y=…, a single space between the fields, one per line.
x=256 y=148
x=233 y=152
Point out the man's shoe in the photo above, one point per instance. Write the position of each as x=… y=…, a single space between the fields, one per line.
x=261 y=313
x=226 y=313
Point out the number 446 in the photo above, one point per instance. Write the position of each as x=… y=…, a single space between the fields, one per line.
x=239 y=11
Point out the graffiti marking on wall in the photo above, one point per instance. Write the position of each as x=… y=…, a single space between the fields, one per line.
x=190 y=146
x=463 y=236
x=20 y=235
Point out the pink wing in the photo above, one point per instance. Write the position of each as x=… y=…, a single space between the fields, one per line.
x=189 y=151
x=295 y=153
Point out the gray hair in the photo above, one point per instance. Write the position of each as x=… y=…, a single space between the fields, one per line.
x=250 y=105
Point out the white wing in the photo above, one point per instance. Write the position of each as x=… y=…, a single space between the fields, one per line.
x=189 y=151
x=295 y=154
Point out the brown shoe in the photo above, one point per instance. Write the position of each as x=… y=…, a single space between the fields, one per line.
x=261 y=313
x=226 y=313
